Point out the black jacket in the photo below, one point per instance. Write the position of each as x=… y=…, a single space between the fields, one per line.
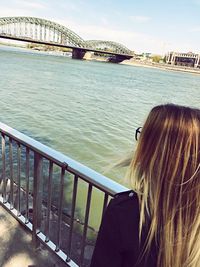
x=117 y=243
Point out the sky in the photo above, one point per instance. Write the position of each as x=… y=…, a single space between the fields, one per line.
x=141 y=25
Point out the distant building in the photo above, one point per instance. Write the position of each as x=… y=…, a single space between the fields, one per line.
x=183 y=59
x=143 y=56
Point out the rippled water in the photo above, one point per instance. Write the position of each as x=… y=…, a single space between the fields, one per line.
x=87 y=110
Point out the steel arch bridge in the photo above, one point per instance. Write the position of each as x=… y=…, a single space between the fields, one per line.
x=108 y=46
x=43 y=30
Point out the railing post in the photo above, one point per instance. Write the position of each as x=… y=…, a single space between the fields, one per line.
x=37 y=198
x=3 y=180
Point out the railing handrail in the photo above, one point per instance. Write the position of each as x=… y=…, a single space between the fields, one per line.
x=91 y=176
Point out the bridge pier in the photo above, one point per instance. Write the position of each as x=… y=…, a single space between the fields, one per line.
x=78 y=53
x=118 y=58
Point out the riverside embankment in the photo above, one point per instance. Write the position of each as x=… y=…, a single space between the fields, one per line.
x=161 y=66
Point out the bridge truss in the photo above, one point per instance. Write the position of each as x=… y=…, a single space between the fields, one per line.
x=39 y=29
x=44 y=30
x=108 y=46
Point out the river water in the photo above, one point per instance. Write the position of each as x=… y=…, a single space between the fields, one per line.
x=87 y=110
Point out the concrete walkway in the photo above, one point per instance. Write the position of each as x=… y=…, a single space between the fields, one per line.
x=16 y=249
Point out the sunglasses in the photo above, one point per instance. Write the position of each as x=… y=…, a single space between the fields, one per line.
x=137 y=133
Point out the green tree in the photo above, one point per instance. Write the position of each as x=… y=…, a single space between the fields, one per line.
x=156 y=58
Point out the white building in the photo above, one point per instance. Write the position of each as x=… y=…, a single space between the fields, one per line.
x=183 y=59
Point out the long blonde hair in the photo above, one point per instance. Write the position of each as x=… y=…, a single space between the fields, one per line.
x=165 y=172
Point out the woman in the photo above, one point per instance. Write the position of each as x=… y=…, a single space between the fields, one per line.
x=159 y=223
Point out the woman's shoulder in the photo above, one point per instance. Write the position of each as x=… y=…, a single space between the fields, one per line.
x=125 y=195
x=126 y=207
x=125 y=199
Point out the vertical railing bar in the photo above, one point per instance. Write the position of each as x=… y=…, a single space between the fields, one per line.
x=19 y=179
x=3 y=144
x=27 y=183
x=60 y=207
x=49 y=201
x=11 y=173
x=72 y=217
x=37 y=198
x=86 y=223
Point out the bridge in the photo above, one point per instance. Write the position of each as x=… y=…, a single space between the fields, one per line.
x=45 y=32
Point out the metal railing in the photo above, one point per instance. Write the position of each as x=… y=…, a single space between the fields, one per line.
x=44 y=189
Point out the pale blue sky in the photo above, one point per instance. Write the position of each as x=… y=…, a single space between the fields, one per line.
x=143 y=26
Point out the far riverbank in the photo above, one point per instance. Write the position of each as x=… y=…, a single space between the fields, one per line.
x=162 y=66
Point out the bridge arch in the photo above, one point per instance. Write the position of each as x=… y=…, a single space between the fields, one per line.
x=108 y=46
x=40 y=29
